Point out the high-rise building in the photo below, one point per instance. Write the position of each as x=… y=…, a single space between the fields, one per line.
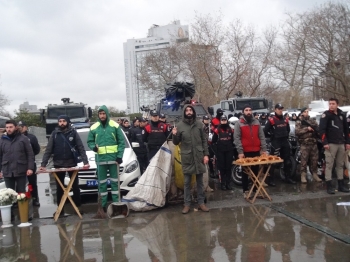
x=159 y=37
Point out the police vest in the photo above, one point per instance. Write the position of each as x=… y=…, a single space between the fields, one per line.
x=225 y=142
x=280 y=129
x=157 y=134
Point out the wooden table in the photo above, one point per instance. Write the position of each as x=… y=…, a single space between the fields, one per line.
x=260 y=190
x=66 y=190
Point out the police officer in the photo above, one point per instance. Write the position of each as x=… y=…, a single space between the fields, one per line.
x=162 y=118
x=155 y=135
x=215 y=122
x=335 y=138
x=306 y=129
x=223 y=138
x=23 y=128
x=263 y=119
x=137 y=135
x=126 y=128
x=277 y=127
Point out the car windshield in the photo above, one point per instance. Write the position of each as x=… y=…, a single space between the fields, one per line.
x=256 y=104
x=72 y=112
x=84 y=135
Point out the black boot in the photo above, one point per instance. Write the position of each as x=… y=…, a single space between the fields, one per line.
x=330 y=189
x=228 y=185
x=223 y=186
x=289 y=179
x=342 y=187
x=270 y=180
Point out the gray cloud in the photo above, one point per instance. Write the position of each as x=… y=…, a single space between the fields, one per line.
x=55 y=49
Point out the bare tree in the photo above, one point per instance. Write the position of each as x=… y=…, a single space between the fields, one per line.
x=4 y=101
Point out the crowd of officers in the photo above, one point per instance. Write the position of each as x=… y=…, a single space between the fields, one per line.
x=250 y=133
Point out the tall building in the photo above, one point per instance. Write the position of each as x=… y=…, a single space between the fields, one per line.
x=30 y=108
x=159 y=37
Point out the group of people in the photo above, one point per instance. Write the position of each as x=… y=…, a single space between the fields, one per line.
x=247 y=139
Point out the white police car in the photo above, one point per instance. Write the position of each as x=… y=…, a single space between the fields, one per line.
x=129 y=170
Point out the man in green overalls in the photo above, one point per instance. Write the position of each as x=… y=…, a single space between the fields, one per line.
x=107 y=140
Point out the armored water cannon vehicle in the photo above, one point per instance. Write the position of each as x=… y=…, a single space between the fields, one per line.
x=235 y=105
x=78 y=113
x=179 y=94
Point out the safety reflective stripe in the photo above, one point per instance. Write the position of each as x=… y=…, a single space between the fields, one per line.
x=103 y=181
x=107 y=163
x=114 y=179
x=103 y=193
x=114 y=192
x=107 y=149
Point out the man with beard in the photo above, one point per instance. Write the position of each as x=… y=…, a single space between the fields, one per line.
x=215 y=122
x=155 y=135
x=23 y=128
x=278 y=129
x=106 y=139
x=63 y=156
x=194 y=155
x=306 y=129
x=223 y=138
x=249 y=140
x=16 y=158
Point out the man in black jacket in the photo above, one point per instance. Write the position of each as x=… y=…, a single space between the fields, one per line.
x=136 y=135
x=335 y=138
x=23 y=128
x=63 y=156
x=277 y=127
x=16 y=158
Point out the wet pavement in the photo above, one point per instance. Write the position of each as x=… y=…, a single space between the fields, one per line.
x=302 y=223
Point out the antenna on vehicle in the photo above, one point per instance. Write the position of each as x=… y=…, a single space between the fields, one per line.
x=65 y=100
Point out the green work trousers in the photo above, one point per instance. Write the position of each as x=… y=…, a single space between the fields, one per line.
x=102 y=182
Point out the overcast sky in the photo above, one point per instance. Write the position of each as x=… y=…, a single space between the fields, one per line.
x=54 y=49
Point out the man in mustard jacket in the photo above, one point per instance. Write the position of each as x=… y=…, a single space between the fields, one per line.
x=107 y=140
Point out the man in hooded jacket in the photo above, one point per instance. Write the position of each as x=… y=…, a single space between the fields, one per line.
x=107 y=140
x=63 y=156
x=194 y=155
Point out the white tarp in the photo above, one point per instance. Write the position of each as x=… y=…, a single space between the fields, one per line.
x=151 y=189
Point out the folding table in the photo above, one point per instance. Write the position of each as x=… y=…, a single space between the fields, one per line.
x=66 y=190
x=258 y=184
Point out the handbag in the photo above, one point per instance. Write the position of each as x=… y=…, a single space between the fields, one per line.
x=76 y=154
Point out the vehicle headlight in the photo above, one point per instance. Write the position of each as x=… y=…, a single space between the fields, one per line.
x=131 y=167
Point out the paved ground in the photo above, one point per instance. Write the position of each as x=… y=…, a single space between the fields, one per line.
x=302 y=223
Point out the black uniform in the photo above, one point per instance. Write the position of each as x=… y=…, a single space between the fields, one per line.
x=127 y=131
x=223 y=137
x=33 y=178
x=155 y=135
x=277 y=128
x=136 y=135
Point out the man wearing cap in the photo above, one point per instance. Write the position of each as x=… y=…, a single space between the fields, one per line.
x=249 y=139
x=194 y=155
x=137 y=135
x=215 y=122
x=155 y=135
x=63 y=156
x=223 y=138
x=23 y=128
x=306 y=129
x=162 y=118
x=263 y=119
x=277 y=128
x=106 y=139
x=334 y=133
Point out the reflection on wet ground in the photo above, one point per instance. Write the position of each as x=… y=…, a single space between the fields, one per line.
x=253 y=233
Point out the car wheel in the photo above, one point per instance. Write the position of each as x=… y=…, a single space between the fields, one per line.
x=236 y=174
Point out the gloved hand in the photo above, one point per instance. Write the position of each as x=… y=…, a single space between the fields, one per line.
x=95 y=149
x=119 y=160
